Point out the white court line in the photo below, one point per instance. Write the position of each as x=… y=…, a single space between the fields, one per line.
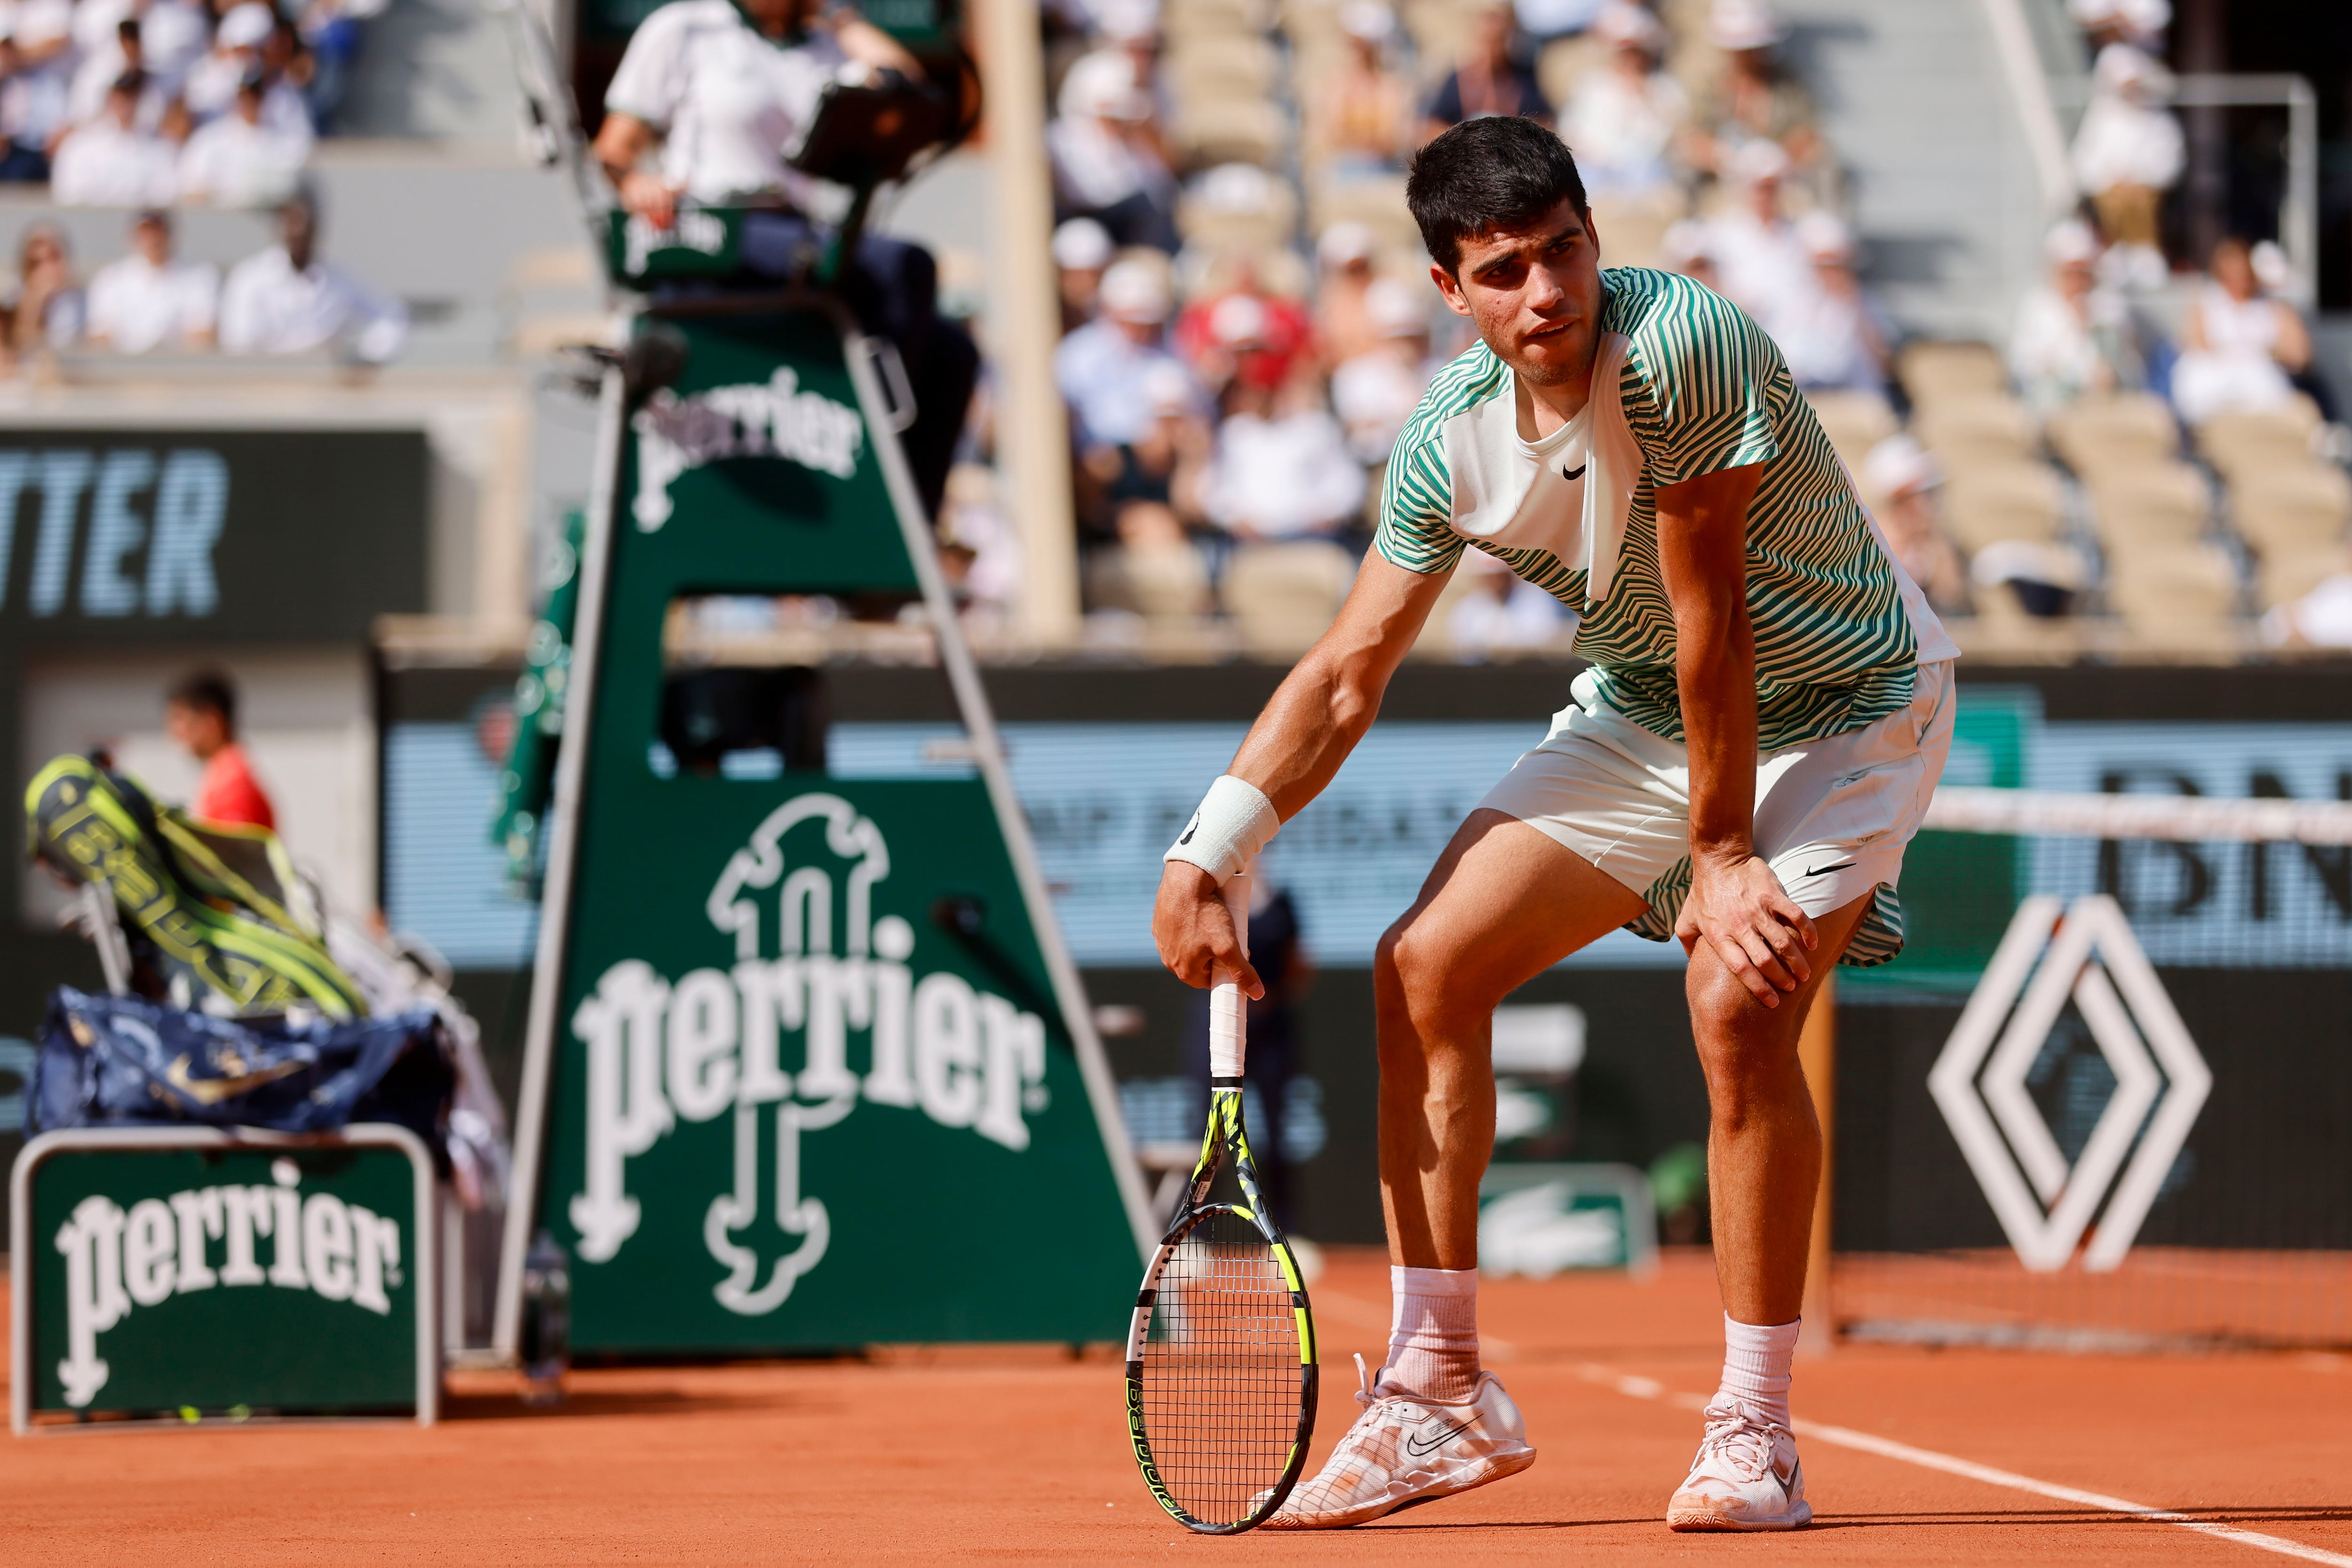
x=1927 y=1459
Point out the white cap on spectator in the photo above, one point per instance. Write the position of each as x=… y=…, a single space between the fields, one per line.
x=1100 y=85
x=1127 y=21
x=1826 y=236
x=2145 y=17
x=1238 y=321
x=1345 y=242
x=1743 y=24
x=1167 y=389
x=1686 y=240
x=1756 y=162
x=1082 y=245
x=2070 y=244
x=2271 y=269
x=1369 y=20
x=1624 y=22
x=1899 y=464
x=1236 y=188
x=1396 y=308
x=1133 y=291
x=246 y=26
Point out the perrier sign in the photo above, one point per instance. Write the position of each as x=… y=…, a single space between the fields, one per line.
x=182 y=1273
x=804 y=1076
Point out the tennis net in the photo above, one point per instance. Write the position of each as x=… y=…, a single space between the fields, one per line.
x=2105 y=1097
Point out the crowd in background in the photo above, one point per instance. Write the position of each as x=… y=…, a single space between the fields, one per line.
x=1228 y=393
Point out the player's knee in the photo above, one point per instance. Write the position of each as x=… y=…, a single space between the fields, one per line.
x=1412 y=968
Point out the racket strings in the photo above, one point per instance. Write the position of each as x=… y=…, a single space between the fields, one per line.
x=1221 y=1371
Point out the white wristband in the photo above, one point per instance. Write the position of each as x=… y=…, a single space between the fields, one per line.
x=1233 y=823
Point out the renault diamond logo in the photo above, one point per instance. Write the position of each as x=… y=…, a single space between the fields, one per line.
x=2044 y=1204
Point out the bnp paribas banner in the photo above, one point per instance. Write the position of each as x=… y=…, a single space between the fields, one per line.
x=807 y=1082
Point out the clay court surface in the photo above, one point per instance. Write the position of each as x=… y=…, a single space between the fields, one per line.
x=1019 y=1454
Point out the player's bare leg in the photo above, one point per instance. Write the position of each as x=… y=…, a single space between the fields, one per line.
x=1503 y=903
x=1764 y=1166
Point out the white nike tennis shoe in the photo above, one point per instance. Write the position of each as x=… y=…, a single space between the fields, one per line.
x=1746 y=1477
x=1404 y=1450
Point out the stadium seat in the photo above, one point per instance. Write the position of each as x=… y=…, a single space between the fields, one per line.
x=1564 y=61
x=1204 y=69
x=1158 y=585
x=1439 y=29
x=1210 y=18
x=2180 y=600
x=1282 y=596
x=2240 y=442
x=2305 y=504
x=2098 y=435
x=2288 y=573
x=2017 y=499
x=1854 y=423
x=2158 y=501
x=1937 y=373
x=1976 y=430
x=1231 y=130
x=1375 y=201
x=1632 y=232
x=1238 y=206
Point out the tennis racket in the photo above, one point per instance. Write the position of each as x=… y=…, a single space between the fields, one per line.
x=1221 y=1356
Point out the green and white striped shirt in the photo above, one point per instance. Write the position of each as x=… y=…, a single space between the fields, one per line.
x=1702 y=389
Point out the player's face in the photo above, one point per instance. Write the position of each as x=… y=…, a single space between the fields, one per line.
x=1533 y=294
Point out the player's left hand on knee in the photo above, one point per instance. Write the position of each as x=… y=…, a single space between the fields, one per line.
x=1739 y=909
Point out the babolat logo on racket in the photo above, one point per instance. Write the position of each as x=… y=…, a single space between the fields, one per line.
x=836 y=995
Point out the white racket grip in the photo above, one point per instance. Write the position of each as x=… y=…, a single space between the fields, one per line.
x=1228 y=1008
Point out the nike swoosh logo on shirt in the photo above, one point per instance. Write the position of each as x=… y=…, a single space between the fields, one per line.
x=1825 y=870
x=1574 y=474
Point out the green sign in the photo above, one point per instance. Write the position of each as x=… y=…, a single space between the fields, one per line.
x=1541 y=1219
x=805 y=1044
x=700 y=242
x=184 y=1272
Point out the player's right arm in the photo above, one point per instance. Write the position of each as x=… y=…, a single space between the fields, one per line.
x=1315 y=719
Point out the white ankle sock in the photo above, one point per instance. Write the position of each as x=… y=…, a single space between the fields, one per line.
x=1434 y=1336
x=1756 y=1366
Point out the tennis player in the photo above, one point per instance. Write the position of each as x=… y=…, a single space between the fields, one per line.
x=1767 y=707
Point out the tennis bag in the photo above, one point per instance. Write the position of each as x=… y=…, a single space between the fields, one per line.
x=114 y=1061
x=215 y=915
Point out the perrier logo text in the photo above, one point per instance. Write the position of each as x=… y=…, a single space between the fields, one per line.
x=209 y=1238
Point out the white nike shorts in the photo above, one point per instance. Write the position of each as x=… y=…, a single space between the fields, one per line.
x=1832 y=817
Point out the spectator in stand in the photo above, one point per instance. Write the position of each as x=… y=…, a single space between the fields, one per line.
x=1625 y=117
x=1359 y=117
x=2128 y=151
x=2241 y=350
x=1834 y=336
x=2139 y=23
x=290 y=66
x=237 y=161
x=1499 y=612
x=1902 y=478
x=35 y=80
x=1491 y=80
x=1688 y=248
x=100 y=69
x=150 y=301
x=214 y=78
x=110 y=162
x=1158 y=471
x=1375 y=392
x=1081 y=250
x=172 y=35
x=2074 y=333
x=2321 y=618
x=332 y=32
x=201 y=715
x=285 y=301
x=45 y=305
x=1104 y=367
x=1280 y=467
x=1754 y=99
x=1343 y=322
x=1237 y=326
x=1544 y=21
x=1763 y=263
x=1105 y=155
